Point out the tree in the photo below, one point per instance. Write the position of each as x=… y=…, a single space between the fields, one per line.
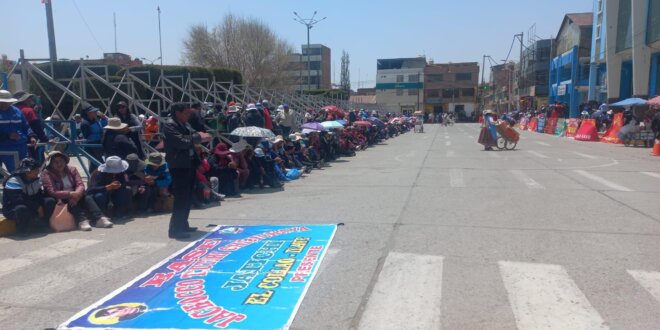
x=245 y=45
x=345 y=78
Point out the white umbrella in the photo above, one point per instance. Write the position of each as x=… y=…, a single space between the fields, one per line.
x=332 y=124
x=253 y=131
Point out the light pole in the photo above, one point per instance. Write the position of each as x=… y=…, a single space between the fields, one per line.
x=160 y=39
x=309 y=23
x=150 y=61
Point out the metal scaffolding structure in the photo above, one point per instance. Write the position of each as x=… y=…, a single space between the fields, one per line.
x=146 y=94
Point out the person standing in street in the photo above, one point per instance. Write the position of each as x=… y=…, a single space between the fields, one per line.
x=181 y=143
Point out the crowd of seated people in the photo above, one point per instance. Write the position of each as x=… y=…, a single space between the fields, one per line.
x=130 y=181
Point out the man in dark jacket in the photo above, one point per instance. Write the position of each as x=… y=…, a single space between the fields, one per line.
x=93 y=121
x=22 y=200
x=655 y=124
x=196 y=119
x=253 y=117
x=181 y=144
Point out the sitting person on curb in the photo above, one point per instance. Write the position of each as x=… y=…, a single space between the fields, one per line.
x=63 y=182
x=206 y=187
x=262 y=171
x=22 y=199
x=157 y=175
x=109 y=183
x=142 y=194
x=116 y=140
x=223 y=168
x=237 y=156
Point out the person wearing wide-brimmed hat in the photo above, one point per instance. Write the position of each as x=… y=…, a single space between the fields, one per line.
x=15 y=132
x=116 y=141
x=488 y=135
x=110 y=183
x=22 y=198
x=157 y=176
x=134 y=125
x=91 y=126
x=62 y=181
x=26 y=102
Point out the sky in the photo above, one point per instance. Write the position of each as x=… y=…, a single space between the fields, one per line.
x=442 y=30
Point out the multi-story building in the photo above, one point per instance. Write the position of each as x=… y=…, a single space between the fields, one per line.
x=499 y=96
x=569 y=70
x=534 y=77
x=451 y=87
x=400 y=83
x=630 y=40
x=597 y=66
x=318 y=76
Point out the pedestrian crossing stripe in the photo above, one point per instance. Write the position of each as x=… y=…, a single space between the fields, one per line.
x=649 y=280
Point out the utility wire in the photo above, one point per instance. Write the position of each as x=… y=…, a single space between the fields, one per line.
x=82 y=17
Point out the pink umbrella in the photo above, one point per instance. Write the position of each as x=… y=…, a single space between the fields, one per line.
x=654 y=101
x=362 y=123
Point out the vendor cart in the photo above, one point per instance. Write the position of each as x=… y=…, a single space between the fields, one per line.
x=507 y=136
x=419 y=122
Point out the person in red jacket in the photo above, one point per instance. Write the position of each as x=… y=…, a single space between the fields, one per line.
x=268 y=120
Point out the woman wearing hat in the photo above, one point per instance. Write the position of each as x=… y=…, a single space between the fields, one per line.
x=223 y=167
x=22 y=199
x=157 y=175
x=488 y=135
x=26 y=103
x=116 y=141
x=110 y=183
x=134 y=126
x=63 y=182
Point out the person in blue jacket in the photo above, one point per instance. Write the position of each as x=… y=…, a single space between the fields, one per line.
x=15 y=132
x=92 y=130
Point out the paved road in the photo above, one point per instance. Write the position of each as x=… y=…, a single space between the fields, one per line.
x=438 y=234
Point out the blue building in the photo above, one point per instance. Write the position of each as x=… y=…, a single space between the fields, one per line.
x=598 y=64
x=569 y=70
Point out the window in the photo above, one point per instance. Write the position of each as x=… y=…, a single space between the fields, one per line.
x=467 y=91
x=413 y=77
x=413 y=92
x=432 y=92
x=312 y=51
x=464 y=76
x=399 y=92
x=437 y=77
x=624 y=27
x=314 y=65
x=450 y=93
x=653 y=22
x=399 y=78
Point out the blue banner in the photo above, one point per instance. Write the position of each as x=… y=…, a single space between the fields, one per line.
x=238 y=277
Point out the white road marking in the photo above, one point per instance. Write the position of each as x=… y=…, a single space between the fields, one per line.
x=585 y=155
x=448 y=143
x=653 y=174
x=537 y=154
x=528 y=181
x=545 y=297
x=602 y=181
x=396 y=295
x=456 y=178
x=649 y=280
x=543 y=143
x=471 y=137
x=493 y=154
x=58 y=281
x=450 y=153
x=52 y=251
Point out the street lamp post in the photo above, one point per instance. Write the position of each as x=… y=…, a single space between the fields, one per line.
x=160 y=39
x=309 y=23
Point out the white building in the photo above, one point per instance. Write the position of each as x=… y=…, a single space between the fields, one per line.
x=400 y=84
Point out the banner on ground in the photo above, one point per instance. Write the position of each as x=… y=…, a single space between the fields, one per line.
x=541 y=124
x=533 y=123
x=240 y=277
x=612 y=134
x=587 y=131
x=561 y=127
x=550 y=125
x=572 y=125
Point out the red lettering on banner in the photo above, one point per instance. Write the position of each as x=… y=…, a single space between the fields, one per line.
x=305 y=267
x=233 y=246
x=158 y=279
x=179 y=266
x=198 y=306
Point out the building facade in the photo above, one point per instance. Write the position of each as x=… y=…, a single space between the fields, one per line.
x=319 y=74
x=451 y=87
x=598 y=63
x=400 y=84
x=632 y=48
x=535 y=75
x=499 y=94
x=569 y=70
